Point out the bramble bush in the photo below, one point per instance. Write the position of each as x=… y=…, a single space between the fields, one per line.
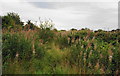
x=46 y=35
x=16 y=44
x=62 y=41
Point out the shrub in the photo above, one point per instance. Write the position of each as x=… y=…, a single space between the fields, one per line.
x=82 y=34
x=10 y=20
x=46 y=35
x=114 y=65
x=16 y=44
x=39 y=50
x=62 y=41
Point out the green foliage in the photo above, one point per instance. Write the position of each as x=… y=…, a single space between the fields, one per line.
x=30 y=25
x=10 y=20
x=47 y=51
x=62 y=41
x=114 y=66
x=46 y=35
x=39 y=50
x=88 y=55
x=48 y=24
x=16 y=44
x=107 y=36
x=82 y=34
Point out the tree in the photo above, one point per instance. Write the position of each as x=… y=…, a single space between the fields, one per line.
x=46 y=33
x=30 y=25
x=10 y=20
x=48 y=24
x=73 y=29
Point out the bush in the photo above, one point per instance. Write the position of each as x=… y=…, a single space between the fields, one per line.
x=114 y=65
x=39 y=50
x=62 y=41
x=14 y=44
x=10 y=20
x=46 y=35
x=82 y=34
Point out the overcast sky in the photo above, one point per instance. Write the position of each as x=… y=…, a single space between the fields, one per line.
x=66 y=15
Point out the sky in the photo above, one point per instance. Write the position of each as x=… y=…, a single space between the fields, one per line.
x=94 y=14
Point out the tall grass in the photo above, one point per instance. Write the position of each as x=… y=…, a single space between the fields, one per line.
x=50 y=52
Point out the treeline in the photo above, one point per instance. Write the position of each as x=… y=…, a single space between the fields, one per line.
x=13 y=21
x=42 y=50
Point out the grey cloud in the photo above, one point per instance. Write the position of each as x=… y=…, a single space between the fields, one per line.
x=99 y=14
x=45 y=5
x=58 y=5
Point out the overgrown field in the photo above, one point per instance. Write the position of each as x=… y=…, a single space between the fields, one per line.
x=67 y=52
x=47 y=51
